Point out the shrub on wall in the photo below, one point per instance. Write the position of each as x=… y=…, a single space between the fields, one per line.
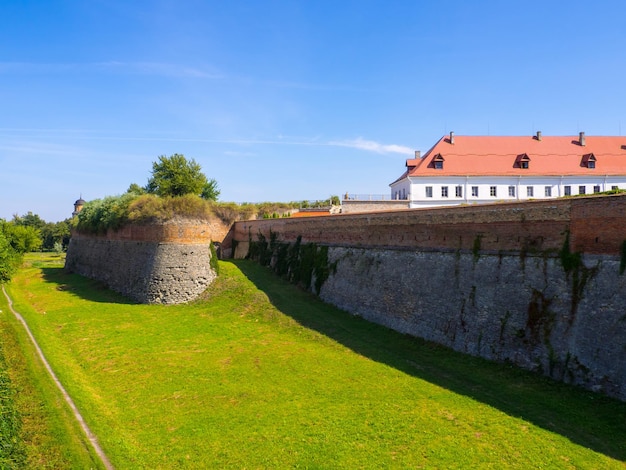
x=151 y=208
x=113 y=212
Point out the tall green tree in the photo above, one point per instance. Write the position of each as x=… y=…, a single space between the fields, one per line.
x=210 y=192
x=15 y=240
x=54 y=234
x=135 y=189
x=9 y=258
x=176 y=176
x=29 y=220
x=22 y=238
x=51 y=233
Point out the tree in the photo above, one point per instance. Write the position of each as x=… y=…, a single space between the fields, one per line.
x=210 y=192
x=15 y=240
x=22 y=238
x=50 y=233
x=29 y=220
x=176 y=176
x=9 y=259
x=135 y=189
x=55 y=233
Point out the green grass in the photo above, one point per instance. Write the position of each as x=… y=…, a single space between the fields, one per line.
x=37 y=420
x=12 y=452
x=259 y=374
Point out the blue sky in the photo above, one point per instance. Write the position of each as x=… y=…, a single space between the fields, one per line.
x=286 y=100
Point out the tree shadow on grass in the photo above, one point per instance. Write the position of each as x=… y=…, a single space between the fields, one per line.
x=591 y=420
x=83 y=287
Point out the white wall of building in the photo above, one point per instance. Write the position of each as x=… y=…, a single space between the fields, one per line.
x=454 y=190
x=401 y=189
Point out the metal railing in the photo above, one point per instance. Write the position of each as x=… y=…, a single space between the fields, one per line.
x=371 y=197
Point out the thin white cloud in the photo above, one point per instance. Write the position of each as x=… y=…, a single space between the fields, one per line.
x=162 y=69
x=35 y=148
x=373 y=146
x=142 y=68
x=88 y=134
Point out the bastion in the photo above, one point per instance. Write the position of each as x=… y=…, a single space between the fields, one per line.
x=161 y=263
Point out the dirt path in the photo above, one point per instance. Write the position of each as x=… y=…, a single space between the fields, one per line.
x=91 y=436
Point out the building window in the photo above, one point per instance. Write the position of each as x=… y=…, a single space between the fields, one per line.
x=567 y=190
x=438 y=162
x=596 y=188
x=614 y=188
x=512 y=191
x=582 y=189
x=522 y=161
x=474 y=191
x=458 y=191
x=492 y=191
x=444 y=191
x=429 y=191
x=591 y=164
x=548 y=191
x=530 y=191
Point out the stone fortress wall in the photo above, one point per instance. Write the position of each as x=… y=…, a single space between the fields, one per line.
x=537 y=284
x=163 y=263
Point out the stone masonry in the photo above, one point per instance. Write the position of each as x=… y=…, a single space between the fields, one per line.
x=537 y=284
x=166 y=263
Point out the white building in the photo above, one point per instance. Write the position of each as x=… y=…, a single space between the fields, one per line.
x=481 y=169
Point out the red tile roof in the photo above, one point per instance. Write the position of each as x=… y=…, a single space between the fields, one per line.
x=501 y=156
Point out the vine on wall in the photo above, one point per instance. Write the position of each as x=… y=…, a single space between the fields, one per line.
x=213 y=261
x=305 y=265
x=573 y=265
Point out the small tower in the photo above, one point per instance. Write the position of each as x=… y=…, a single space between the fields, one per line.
x=78 y=206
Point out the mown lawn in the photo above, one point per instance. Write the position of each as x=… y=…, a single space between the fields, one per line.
x=259 y=374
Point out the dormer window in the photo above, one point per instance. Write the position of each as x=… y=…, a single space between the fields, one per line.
x=589 y=161
x=523 y=161
x=438 y=162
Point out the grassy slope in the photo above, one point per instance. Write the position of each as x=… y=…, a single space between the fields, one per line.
x=49 y=435
x=260 y=374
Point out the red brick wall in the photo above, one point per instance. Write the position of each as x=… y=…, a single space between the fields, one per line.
x=596 y=224
x=186 y=233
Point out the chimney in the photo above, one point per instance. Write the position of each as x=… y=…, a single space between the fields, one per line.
x=539 y=135
x=452 y=137
x=418 y=154
x=581 y=138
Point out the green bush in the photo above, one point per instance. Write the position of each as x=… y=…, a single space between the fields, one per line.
x=99 y=215
x=229 y=212
x=113 y=212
